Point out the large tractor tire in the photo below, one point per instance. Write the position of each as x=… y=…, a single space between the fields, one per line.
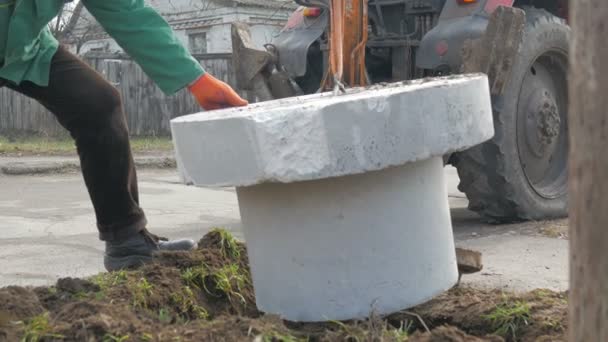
x=521 y=174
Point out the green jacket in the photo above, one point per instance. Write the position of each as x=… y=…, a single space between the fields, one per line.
x=27 y=46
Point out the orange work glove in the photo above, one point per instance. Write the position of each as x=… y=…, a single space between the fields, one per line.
x=212 y=93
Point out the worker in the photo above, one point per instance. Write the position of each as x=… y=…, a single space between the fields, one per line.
x=32 y=63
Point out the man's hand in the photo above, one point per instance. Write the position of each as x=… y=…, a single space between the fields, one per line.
x=212 y=93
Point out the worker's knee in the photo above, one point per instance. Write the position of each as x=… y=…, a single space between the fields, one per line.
x=108 y=103
x=105 y=123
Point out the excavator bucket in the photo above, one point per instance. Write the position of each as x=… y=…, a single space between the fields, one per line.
x=249 y=62
x=495 y=52
x=258 y=70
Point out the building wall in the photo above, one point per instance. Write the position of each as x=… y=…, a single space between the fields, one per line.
x=215 y=20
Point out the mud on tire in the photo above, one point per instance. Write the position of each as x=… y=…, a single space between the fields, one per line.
x=521 y=174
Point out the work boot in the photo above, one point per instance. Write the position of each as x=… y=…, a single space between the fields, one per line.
x=139 y=249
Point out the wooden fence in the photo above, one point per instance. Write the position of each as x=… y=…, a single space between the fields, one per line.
x=148 y=110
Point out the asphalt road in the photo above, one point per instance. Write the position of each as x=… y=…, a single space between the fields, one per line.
x=48 y=231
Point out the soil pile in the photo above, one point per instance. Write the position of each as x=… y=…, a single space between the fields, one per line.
x=207 y=295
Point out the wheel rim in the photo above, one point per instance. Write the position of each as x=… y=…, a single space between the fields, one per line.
x=542 y=125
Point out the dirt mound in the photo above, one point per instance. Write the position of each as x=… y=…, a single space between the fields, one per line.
x=450 y=334
x=95 y=321
x=540 y=314
x=207 y=295
x=16 y=304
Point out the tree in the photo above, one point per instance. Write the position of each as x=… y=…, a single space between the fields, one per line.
x=65 y=27
x=67 y=19
x=589 y=172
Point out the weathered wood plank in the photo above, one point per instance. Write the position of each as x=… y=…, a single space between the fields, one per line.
x=148 y=110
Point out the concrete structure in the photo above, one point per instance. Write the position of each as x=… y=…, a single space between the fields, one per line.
x=342 y=198
x=202 y=25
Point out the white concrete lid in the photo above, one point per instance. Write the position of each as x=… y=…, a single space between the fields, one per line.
x=322 y=136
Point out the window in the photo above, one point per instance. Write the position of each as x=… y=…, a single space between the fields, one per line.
x=198 y=42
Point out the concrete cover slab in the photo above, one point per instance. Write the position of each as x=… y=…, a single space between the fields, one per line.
x=321 y=136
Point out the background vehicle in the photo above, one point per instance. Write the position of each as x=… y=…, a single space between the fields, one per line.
x=521 y=174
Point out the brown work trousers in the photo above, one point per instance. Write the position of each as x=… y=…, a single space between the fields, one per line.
x=91 y=110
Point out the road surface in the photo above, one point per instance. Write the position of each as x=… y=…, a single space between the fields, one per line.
x=48 y=231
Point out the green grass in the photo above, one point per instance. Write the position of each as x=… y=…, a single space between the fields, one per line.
x=373 y=329
x=229 y=245
x=113 y=338
x=38 y=328
x=401 y=334
x=140 y=291
x=195 y=276
x=279 y=337
x=146 y=337
x=164 y=316
x=508 y=318
x=227 y=281
x=230 y=281
x=139 y=287
x=35 y=145
x=106 y=281
x=151 y=144
x=186 y=302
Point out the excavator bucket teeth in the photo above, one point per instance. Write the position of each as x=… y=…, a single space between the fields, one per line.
x=495 y=52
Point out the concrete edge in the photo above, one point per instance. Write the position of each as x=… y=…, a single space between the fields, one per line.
x=60 y=167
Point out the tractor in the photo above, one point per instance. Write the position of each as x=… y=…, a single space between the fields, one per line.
x=522 y=45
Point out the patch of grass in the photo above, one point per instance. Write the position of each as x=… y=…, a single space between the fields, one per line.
x=401 y=334
x=227 y=281
x=113 y=338
x=37 y=145
x=80 y=295
x=228 y=244
x=195 y=276
x=38 y=328
x=187 y=304
x=548 y=297
x=230 y=281
x=146 y=144
x=373 y=329
x=553 y=323
x=279 y=337
x=543 y=293
x=355 y=333
x=164 y=316
x=146 y=337
x=106 y=281
x=508 y=318
x=140 y=291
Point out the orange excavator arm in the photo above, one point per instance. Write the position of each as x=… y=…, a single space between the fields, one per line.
x=347 y=41
x=258 y=70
